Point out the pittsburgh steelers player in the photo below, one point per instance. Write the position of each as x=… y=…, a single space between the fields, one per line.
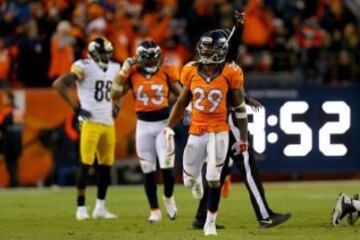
x=150 y=83
x=93 y=78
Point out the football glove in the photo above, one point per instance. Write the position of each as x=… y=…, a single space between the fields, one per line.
x=240 y=147
x=84 y=114
x=170 y=141
x=187 y=118
x=115 y=110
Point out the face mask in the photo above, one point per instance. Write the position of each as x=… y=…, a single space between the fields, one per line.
x=151 y=69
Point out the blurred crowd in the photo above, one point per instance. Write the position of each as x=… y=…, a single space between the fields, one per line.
x=315 y=40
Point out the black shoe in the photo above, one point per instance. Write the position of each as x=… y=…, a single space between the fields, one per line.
x=274 y=220
x=199 y=225
x=342 y=208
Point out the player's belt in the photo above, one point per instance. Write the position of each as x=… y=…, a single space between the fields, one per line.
x=154 y=116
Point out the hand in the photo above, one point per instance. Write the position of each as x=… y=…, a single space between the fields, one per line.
x=128 y=63
x=115 y=110
x=239 y=18
x=169 y=137
x=187 y=118
x=84 y=114
x=254 y=104
x=240 y=147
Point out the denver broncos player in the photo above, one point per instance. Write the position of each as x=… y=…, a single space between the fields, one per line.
x=208 y=84
x=150 y=83
x=93 y=78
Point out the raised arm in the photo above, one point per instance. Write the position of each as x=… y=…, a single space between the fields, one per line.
x=120 y=87
x=235 y=39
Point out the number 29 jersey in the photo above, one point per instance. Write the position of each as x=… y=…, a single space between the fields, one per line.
x=210 y=96
x=93 y=88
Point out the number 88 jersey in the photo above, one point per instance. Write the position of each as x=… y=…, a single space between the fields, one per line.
x=94 y=87
x=210 y=96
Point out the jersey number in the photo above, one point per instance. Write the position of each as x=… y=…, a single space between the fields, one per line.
x=214 y=97
x=102 y=90
x=144 y=98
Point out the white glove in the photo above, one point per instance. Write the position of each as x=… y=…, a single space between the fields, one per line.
x=127 y=65
x=170 y=141
x=187 y=118
x=240 y=147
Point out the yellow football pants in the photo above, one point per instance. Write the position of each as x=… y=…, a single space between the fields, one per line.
x=98 y=140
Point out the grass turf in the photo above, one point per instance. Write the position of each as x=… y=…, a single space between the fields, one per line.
x=48 y=214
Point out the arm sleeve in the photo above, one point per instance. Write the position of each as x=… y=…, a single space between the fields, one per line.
x=184 y=78
x=78 y=69
x=234 y=44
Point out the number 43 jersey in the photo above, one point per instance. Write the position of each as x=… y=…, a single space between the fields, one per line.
x=94 y=87
x=151 y=92
x=210 y=96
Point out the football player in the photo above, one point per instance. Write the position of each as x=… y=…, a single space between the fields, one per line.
x=247 y=166
x=150 y=83
x=346 y=206
x=207 y=84
x=93 y=78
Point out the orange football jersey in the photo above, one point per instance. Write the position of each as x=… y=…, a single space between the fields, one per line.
x=151 y=91
x=210 y=93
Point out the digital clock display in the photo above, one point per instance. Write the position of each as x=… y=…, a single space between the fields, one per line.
x=307 y=129
x=288 y=126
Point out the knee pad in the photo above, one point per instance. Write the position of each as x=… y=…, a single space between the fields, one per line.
x=147 y=166
x=167 y=162
x=189 y=181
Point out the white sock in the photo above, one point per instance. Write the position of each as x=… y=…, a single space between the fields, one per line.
x=211 y=217
x=356 y=204
x=100 y=203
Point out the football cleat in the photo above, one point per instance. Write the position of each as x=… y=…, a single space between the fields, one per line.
x=210 y=228
x=342 y=208
x=274 y=220
x=354 y=216
x=155 y=216
x=170 y=206
x=197 y=190
x=82 y=213
x=197 y=225
x=103 y=213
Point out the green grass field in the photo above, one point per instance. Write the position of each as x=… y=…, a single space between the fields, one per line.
x=49 y=214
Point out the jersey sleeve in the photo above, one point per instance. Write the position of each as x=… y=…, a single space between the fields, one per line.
x=237 y=78
x=78 y=69
x=185 y=75
x=173 y=74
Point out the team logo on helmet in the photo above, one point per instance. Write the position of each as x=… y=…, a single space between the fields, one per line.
x=149 y=56
x=101 y=51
